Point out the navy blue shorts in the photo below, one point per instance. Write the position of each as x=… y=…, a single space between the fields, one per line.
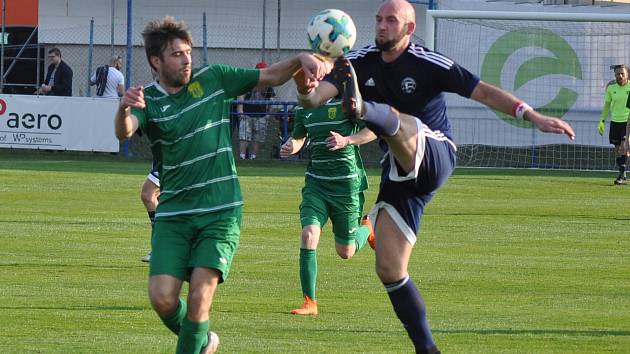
x=154 y=175
x=409 y=197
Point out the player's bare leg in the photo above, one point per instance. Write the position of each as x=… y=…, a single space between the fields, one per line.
x=195 y=333
x=403 y=144
x=164 y=296
x=393 y=252
x=392 y=249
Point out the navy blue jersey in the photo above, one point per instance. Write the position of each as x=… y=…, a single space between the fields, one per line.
x=414 y=83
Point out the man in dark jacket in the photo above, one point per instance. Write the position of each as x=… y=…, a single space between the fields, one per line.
x=58 y=80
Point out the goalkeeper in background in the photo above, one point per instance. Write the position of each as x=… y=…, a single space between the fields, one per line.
x=615 y=101
x=334 y=185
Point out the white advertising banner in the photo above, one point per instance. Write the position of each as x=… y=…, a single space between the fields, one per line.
x=57 y=123
x=560 y=68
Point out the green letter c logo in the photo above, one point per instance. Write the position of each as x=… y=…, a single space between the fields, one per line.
x=564 y=62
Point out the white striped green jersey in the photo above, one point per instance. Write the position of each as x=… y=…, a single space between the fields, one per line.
x=190 y=138
x=338 y=172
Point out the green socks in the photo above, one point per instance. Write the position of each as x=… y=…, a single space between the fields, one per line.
x=362 y=236
x=174 y=320
x=192 y=337
x=308 y=272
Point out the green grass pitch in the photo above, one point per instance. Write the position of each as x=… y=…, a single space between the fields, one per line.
x=508 y=262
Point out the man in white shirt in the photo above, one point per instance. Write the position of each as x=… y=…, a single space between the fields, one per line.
x=109 y=81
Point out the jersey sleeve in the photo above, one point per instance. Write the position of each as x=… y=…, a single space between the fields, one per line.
x=607 y=95
x=628 y=102
x=121 y=79
x=299 y=131
x=141 y=116
x=456 y=79
x=237 y=81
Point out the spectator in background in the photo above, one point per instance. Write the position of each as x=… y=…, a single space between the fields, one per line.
x=615 y=100
x=58 y=80
x=252 y=127
x=109 y=81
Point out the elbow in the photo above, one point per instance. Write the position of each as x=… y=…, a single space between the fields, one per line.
x=122 y=133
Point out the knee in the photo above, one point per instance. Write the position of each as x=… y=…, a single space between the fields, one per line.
x=388 y=273
x=197 y=298
x=310 y=237
x=345 y=251
x=164 y=304
x=149 y=195
x=146 y=197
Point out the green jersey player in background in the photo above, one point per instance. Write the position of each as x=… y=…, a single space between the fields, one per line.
x=333 y=188
x=185 y=115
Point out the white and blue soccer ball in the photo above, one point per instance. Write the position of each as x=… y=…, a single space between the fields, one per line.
x=331 y=33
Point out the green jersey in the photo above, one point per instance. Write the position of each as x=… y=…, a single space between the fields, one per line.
x=189 y=135
x=617 y=96
x=338 y=172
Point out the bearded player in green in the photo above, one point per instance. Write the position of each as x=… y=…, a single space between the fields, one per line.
x=185 y=115
x=334 y=185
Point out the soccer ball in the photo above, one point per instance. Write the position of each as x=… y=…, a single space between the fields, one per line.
x=331 y=33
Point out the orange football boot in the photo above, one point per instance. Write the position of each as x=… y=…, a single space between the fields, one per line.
x=309 y=308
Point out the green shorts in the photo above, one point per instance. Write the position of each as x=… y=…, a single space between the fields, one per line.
x=344 y=212
x=181 y=243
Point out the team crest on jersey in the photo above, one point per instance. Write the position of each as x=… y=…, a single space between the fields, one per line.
x=408 y=85
x=332 y=112
x=195 y=89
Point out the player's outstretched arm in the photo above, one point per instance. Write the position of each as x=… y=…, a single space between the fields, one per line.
x=336 y=141
x=125 y=123
x=313 y=93
x=314 y=68
x=550 y=124
x=291 y=147
x=503 y=101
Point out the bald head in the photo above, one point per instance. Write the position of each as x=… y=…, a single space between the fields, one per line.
x=395 y=23
x=116 y=62
x=402 y=8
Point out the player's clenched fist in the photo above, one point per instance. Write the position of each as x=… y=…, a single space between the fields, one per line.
x=286 y=149
x=134 y=97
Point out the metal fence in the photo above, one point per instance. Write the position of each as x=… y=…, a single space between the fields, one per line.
x=83 y=57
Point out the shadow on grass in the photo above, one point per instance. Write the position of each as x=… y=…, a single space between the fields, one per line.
x=70 y=161
x=50 y=266
x=562 y=332
x=78 y=308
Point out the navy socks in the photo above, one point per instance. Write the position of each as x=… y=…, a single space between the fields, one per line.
x=411 y=311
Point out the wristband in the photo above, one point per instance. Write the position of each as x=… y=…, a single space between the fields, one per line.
x=306 y=97
x=519 y=109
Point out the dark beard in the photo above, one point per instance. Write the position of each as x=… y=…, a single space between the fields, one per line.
x=176 y=80
x=385 y=46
